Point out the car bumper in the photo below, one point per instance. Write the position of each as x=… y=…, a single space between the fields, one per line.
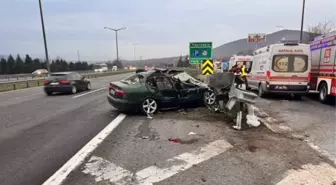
x=290 y=89
x=122 y=105
x=63 y=88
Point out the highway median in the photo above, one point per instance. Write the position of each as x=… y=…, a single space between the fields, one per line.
x=22 y=84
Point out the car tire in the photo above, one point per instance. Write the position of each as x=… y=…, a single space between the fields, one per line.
x=149 y=106
x=209 y=97
x=49 y=93
x=88 y=86
x=323 y=93
x=73 y=89
x=297 y=96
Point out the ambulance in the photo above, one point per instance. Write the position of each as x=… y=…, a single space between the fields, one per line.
x=323 y=51
x=281 y=68
x=247 y=60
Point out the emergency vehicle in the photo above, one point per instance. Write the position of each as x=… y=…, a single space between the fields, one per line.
x=247 y=60
x=323 y=79
x=281 y=68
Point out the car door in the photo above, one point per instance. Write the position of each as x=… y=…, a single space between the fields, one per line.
x=188 y=92
x=166 y=93
x=77 y=80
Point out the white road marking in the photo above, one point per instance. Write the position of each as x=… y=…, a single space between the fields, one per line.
x=89 y=92
x=58 y=177
x=309 y=174
x=105 y=170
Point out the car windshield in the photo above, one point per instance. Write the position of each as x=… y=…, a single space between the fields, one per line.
x=135 y=79
x=290 y=63
x=57 y=77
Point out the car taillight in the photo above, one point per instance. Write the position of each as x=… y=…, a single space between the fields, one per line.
x=309 y=76
x=268 y=74
x=64 y=81
x=116 y=92
x=46 y=82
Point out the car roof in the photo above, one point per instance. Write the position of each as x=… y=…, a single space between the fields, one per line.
x=62 y=73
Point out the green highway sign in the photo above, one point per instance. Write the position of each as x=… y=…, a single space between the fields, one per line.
x=199 y=51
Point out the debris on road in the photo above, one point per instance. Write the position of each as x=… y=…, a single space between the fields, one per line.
x=192 y=133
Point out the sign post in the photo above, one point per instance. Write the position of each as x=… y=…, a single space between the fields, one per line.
x=256 y=38
x=199 y=51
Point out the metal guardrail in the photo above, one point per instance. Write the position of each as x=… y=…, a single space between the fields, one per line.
x=24 y=76
x=21 y=84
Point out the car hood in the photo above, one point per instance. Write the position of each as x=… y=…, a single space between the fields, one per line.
x=185 y=77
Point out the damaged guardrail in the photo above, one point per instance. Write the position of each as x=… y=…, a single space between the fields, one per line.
x=21 y=84
x=224 y=96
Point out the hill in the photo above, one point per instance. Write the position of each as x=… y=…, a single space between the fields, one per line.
x=240 y=46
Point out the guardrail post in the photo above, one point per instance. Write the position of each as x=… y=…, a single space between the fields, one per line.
x=27 y=84
x=14 y=86
x=38 y=83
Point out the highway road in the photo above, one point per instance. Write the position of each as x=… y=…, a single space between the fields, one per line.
x=38 y=134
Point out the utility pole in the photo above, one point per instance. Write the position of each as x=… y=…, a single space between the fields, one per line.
x=78 y=56
x=116 y=35
x=302 y=19
x=44 y=38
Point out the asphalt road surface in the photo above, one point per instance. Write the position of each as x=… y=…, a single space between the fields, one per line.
x=39 y=133
x=306 y=117
x=206 y=151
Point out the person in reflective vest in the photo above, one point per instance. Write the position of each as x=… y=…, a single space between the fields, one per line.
x=243 y=75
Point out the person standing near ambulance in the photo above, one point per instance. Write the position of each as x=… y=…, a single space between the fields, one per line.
x=243 y=74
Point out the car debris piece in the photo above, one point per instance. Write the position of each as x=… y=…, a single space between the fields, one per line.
x=192 y=133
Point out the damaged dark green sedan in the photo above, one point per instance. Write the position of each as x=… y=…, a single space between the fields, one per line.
x=156 y=89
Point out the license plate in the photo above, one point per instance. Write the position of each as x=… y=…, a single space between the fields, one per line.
x=54 y=83
x=112 y=92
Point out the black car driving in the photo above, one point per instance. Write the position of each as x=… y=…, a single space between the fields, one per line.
x=66 y=82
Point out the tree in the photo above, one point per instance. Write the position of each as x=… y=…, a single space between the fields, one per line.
x=19 y=66
x=3 y=66
x=28 y=64
x=117 y=63
x=179 y=62
x=186 y=61
x=10 y=65
x=320 y=29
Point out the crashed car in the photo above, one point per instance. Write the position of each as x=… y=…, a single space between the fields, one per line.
x=155 y=89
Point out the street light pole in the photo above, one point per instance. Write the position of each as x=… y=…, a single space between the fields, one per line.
x=302 y=19
x=116 y=35
x=44 y=37
x=134 y=47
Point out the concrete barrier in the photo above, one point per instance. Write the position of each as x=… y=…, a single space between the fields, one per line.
x=14 y=85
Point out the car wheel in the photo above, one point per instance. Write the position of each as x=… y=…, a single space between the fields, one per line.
x=49 y=93
x=209 y=97
x=323 y=93
x=73 y=89
x=88 y=86
x=149 y=106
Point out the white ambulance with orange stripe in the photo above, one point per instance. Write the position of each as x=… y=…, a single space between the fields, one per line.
x=281 y=68
x=323 y=79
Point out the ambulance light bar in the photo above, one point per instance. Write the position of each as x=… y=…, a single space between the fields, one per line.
x=290 y=42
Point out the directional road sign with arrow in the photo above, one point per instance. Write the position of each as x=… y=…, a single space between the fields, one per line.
x=207 y=67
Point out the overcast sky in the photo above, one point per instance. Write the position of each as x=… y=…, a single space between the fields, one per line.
x=162 y=28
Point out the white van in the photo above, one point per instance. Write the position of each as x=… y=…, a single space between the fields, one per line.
x=281 y=68
x=246 y=60
x=100 y=68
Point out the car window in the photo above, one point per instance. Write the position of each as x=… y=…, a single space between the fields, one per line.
x=163 y=83
x=138 y=78
x=290 y=63
x=57 y=77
